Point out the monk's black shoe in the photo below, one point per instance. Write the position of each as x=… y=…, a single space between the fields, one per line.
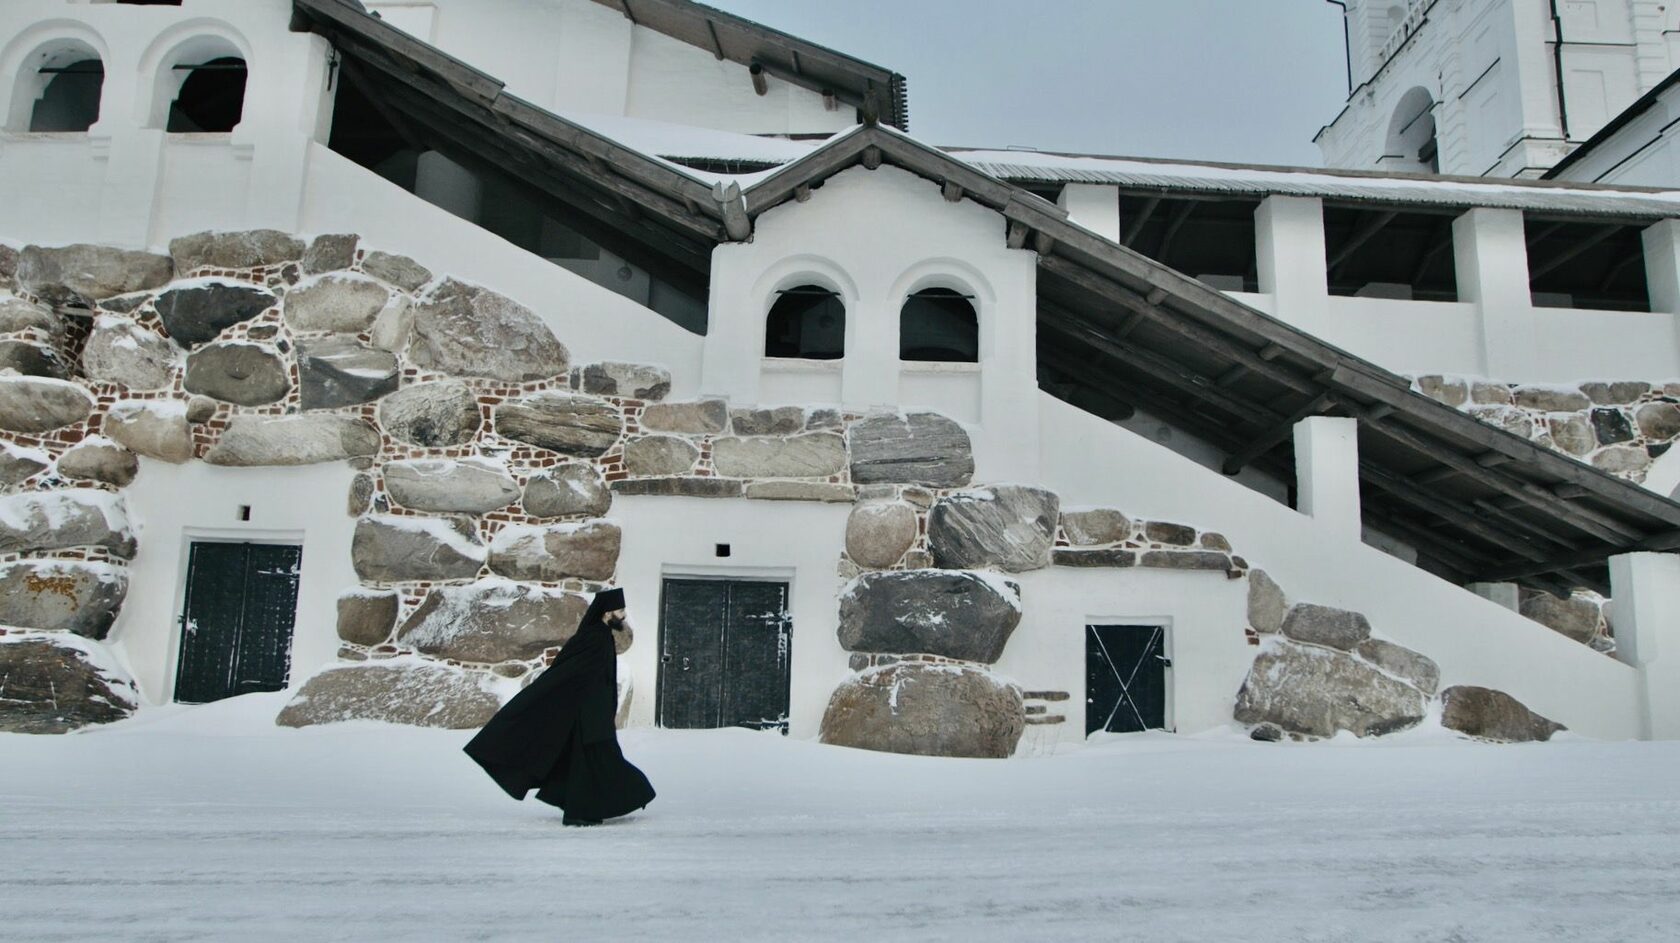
x=572 y=820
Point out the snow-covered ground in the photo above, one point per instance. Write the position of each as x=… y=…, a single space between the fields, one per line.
x=211 y=824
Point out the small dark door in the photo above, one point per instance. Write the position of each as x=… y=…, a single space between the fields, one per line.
x=1125 y=678
x=724 y=654
x=236 y=626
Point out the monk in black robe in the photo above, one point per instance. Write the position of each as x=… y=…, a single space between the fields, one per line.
x=557 y=736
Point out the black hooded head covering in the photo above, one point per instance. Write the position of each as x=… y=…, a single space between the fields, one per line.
x=605 y=601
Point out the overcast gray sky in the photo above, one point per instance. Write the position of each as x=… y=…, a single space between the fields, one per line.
x=1237 y=80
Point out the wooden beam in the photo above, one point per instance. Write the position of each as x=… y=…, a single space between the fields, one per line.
x=1460 y=517
x=871 y=157
x=1574 y=249
x=1366 y=232
x=717 y=47
x=1443 y=241
x=1173 y=225
x=1657 y=543
x=952 y=191
x=1043 y=243
x=802 y=192
x=1136 y=227
x=1015 y=236
x=1274 y=436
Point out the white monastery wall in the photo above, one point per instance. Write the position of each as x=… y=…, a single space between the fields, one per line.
x=575 y=55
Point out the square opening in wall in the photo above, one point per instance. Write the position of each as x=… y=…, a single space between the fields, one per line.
x=244 y=512
x=722 y=550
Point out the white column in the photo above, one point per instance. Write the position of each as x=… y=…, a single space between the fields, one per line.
x=1289 y=256
x=1646 y=591
x=1327 y=473
x=1490 y=253
x=1662 y=269
x=1093 y=206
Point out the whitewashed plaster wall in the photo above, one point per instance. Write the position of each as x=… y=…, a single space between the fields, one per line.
x=576 y=55
x=1642 y=153
x=1489 y=69
x=875 y=237
x=1473 y=640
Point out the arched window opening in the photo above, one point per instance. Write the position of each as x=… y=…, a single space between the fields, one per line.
x=939 y=324
x=70 y=97
x=808 y=322
x=1411 y=146
x=212 y=97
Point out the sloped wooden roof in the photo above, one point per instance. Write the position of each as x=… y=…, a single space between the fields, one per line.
x=1478 y=503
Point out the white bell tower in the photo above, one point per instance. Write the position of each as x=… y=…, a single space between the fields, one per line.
x=1471 y=87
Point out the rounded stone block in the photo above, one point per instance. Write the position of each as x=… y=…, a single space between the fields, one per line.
x=153 y=428
x=58 y=520
x=567 y=490
x=555 y=552
x=392 y=549
x=251 y=248
x=918 y=449
x=567 y=423
x=99 y=460
x=83 y=274
x=1011 y=527
x=1493 y=715
x=659 y=455
x=471 y=331
x=408 y=692
x=926 y=710
x=238 y=372
x=966 y=616
x=366 y=617
x=471 y=486
x=1318 y=692
x=200 y=313
x=41 y=404
x=1323 y=625
x=878 y=533
x=702 y=417
x=492 y=621
x=1096 y=526
x=62 y=596
x=439 y=414
x=342 y=371
x=293 y=440
x=343 y=303
x=122 y=352
x=631 y=380
x=813 y=455
x=58 y=684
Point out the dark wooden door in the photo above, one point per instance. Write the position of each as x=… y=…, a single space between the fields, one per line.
x=724 y=654
x=1125 y=678
x=236 y=625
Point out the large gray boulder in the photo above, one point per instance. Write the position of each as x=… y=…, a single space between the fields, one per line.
x=253 y=248
x=926 y=710
x=631 y=380
x=967 y=616
x=1493 y=715
x=1011 y=527
x=920 y=449
x=492 y=621
x=293 y=440
x=572 y=489
x=58 y=520
x=32 y=359
x=330 y=252
x=17 y=316
x=1415 y=669
x=342 y=371
x=439 y=414
x=471 y=331
x=469 y=486
x=813 y=455
x=567 y=423
x=41 y=404
x=18 y=464
x=774 y=420
x=120 y=351
x=238 y=372
x=659 y=455
x=395 y=692
x=392 y=549
x=878 y=533
x=1576 y=617
x=1267 y=605
x=555 y=552
x=99 y=459
x=59 y=683
x=398 y=270
x=1318 y=692
x=154 y=428
x=366 y=616
x=339 y=304
x=199 y=313
x=701 y=417
x=1323 y=625
x=83 y=274
x=62 y=595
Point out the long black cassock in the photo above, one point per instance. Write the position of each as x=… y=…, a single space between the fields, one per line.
x=557 y=736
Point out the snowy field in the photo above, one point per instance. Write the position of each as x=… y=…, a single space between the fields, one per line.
x=210 y=824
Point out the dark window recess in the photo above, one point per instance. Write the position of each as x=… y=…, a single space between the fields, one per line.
x=236 y=625
x=808 y=322
x=1381 y=252
x=478 y=189
x=70 y=101
x=1594 y=265
x=1212 y=240
x=1125 y=678
x=724 y=654
x=939 y=324
x=151 y=3
x=212 y=97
